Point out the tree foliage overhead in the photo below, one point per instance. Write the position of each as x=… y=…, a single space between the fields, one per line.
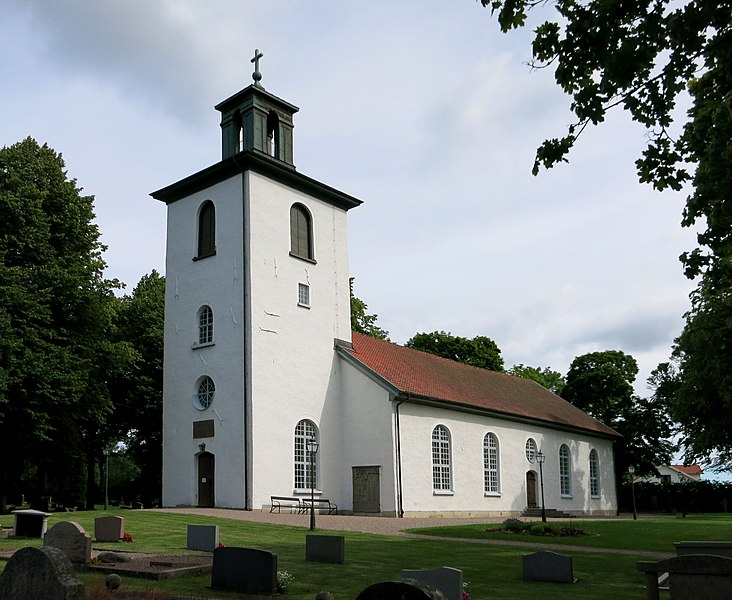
x=361 y=321
x=601 y=384
x=644 y=56
x=479 y=351
x=55 y=319
x=546 y=377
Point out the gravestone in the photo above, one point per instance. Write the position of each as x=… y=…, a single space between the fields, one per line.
x=446 y=579
x=245 y=570
x=203 y=537
x=325 y=548
x=716 y=548
x=71 y=539
x=691 y=577
x=109 y=529
x=402 y=589
x=41 y=574
x=30 y=523
x=548 y=566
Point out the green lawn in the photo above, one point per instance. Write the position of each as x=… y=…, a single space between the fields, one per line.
x=493 y=571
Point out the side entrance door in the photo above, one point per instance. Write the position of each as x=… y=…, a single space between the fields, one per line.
x=530 y=489
x=206 y=471
x=366 y=489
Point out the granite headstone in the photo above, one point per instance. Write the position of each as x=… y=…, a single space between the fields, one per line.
x=548 y=566
x=41 y=574
x=244 y=570
x=446 y=579
x=71 y=539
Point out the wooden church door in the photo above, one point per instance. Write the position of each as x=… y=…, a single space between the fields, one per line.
x=531 y=489
x=206 y=464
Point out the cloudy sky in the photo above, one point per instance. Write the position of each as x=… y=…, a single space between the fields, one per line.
x=421 y=108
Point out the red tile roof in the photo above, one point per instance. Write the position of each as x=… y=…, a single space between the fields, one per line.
x=690 y=470
x=425 y=376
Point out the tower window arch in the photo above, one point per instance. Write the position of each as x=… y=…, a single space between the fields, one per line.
x=206 y=230
x=594 y=474
x=491 y=466
x=441 y=460
x=565 y=471
x=301 y=232
x=273 y=134
x=205 y=325
x=305 y=480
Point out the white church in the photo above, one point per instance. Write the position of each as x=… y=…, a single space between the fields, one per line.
x=260 y=360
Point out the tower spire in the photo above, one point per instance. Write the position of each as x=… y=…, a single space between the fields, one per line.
x=257 y=76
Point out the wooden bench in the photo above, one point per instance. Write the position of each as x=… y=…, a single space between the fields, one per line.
x=320 y=503
x=288 y=501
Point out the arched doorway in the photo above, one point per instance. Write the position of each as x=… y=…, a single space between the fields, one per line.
x=206 y=464
x=530 y=489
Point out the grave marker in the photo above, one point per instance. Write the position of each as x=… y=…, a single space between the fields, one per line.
x=30 y=523
x=42 y=574
x=446 y=579
x=203 y=537
x=548 y=566
x=404 y=589
x=245 y=570
x=71 y=539
x=109 y=529
x=325 y=548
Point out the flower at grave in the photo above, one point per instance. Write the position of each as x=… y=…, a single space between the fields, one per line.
x=127 y=537
x=466 y=585
x=222 y=545
x=284 y=578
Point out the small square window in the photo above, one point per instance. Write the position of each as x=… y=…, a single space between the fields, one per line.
x=303 y=295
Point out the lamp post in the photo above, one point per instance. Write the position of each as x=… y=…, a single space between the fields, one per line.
x=540 y=458
x=106 y=478
x=631 y=470
x=312 y=447
x=682 y=480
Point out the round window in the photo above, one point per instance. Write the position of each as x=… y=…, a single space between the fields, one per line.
x=204 y=393
x=531 y=450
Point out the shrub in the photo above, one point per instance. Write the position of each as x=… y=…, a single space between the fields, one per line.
x=515 y=525
x=543 y=529
x=571 y=531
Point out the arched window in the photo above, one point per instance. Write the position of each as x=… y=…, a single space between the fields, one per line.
x=304 y=431
x=273 y=134
x=205 y=390
x=490 y=464
x=441 y=479
x=565 y=471
x=530 y=450
x=594 y=473
x=301 y=232
x=205 y=325
x=206 y=230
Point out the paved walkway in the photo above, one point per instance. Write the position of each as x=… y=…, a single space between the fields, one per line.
x=396 y=527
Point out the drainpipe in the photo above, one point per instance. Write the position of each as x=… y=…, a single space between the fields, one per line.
x=400 y=505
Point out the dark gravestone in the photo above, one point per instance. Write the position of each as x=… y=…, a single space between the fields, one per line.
x=203 y=537
x=691 y=577
x=30 y=523
x=325 y=548
x=245 y=570
x=548 y=566
x=402 y=589
x=40 y=574
x=446 y=579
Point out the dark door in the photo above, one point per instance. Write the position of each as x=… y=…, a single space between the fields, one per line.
x=206 y=479
x=531 y=489
x=366 y=490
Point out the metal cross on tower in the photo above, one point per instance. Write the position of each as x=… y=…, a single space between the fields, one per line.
x=257 y=76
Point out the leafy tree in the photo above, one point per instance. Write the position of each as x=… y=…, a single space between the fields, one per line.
x=479 y=351
x=55 y=314
x=642 y=56
x=551 y=380
x=601 y=384
x=362 y=322
x=138 y=391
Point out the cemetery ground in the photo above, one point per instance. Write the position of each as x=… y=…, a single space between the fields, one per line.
x=604 y=562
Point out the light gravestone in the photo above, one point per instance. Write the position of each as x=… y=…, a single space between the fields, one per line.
x=109 y=529
x=245 y=570
x=446 y=579
x=403 y=589
x=41 y=574
x=548 y=566
x=325 y=548
x=203 y=537
x=71 y=539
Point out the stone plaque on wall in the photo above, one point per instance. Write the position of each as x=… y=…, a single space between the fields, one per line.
x=203 y=429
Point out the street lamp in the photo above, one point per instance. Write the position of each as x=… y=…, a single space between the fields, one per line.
x=312 y=447
x=631 y=470
x=540 y=458
x=106 y=478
